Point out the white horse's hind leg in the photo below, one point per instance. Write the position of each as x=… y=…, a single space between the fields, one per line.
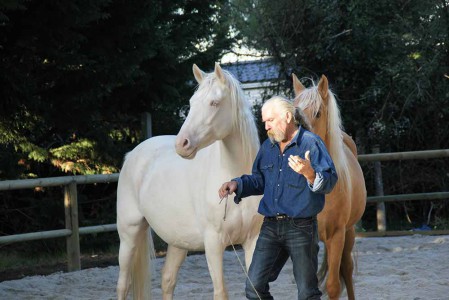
x=123 y=282
x=173 y=261
x=214 y=255
x=248 y=246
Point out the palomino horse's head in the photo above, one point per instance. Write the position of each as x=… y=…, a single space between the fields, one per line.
x=320 y=106
x=315 y=103
x=214 y=111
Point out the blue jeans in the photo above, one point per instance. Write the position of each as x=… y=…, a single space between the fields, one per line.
x=297 y=238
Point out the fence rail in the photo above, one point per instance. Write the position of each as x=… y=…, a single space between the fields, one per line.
x=426 y=154
x=72 y=231
x=20 y=184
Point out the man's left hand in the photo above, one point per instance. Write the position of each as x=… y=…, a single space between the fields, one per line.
x=302 y=166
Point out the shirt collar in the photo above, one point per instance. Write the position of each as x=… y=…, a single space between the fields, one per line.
x=298 y=135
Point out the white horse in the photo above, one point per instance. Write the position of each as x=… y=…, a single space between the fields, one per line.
x=176 y=195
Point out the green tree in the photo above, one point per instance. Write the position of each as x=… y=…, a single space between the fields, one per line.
x=387 y=63
x=381 y=58
x=76 y=75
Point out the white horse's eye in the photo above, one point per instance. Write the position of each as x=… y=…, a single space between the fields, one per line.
x=214 y=103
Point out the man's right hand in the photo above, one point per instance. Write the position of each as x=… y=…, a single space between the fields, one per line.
x=227 y=189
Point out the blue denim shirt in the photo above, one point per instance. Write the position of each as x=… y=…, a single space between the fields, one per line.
x=284 y=190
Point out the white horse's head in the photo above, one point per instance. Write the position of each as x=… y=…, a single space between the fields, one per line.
x=210 y=117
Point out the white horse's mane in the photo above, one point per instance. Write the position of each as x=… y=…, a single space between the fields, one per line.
x=243 y=117
x=311 y=98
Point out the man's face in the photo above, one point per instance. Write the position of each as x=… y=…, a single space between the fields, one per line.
x=275 y=124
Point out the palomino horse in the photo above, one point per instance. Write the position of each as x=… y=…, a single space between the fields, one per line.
x=176 y=195
x=345 y=205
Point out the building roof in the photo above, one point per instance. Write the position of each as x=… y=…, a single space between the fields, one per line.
x=254 y=71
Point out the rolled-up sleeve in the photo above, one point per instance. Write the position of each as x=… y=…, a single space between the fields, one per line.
x=326 y=175
x=324 y=182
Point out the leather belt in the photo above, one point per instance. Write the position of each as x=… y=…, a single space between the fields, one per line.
x=284 y=217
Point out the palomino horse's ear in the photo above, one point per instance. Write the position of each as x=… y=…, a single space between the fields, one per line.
x=219 y=73
x=323 y=88
x=297 y=85
x=199 y=75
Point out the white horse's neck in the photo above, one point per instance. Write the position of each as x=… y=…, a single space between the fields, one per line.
x=232 y=155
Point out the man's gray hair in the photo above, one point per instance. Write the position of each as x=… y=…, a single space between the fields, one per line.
x=284 y=105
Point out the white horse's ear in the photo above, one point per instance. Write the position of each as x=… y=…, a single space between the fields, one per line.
x=219 y=73
x=199 y=75
x=297 y=85
x=323 y=88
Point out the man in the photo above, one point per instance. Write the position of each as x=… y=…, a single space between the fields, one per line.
x=294 y=171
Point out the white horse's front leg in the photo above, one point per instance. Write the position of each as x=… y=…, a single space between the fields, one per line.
x=173 y=261
x=214 y=255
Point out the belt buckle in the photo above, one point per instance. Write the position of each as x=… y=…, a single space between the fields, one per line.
x=281 y=217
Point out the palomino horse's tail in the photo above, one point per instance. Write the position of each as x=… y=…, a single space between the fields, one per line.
x=322 y=274
x=141 y=267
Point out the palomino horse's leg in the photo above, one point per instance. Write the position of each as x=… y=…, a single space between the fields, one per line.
x=347 y=264
x=173 y=261
x=131 y=238
x=214 y=255
x=334 y=253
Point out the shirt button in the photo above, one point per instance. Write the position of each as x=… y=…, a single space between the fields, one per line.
x=280 y=170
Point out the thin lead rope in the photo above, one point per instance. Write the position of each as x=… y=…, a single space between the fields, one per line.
x=235 y=251
x=226 y=205
x=243 y=267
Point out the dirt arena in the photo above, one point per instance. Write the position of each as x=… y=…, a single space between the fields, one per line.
x=391 y=268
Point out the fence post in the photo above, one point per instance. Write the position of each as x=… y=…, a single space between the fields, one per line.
x=381 y=215
x=147 y=128
x=71 y=222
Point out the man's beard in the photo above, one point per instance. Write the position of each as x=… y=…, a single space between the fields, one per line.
x=276 y=135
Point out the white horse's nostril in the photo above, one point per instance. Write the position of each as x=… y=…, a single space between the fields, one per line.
x=186 y=143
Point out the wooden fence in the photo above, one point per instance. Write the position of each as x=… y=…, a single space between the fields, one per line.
x=72 y=230
x=379 y=199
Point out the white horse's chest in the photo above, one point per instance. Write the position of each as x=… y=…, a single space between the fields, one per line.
x=180 y=200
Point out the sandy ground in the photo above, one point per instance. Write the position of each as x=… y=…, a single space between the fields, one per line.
x=413 y=267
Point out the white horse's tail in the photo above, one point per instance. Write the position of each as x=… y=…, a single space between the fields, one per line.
x=141 y=269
